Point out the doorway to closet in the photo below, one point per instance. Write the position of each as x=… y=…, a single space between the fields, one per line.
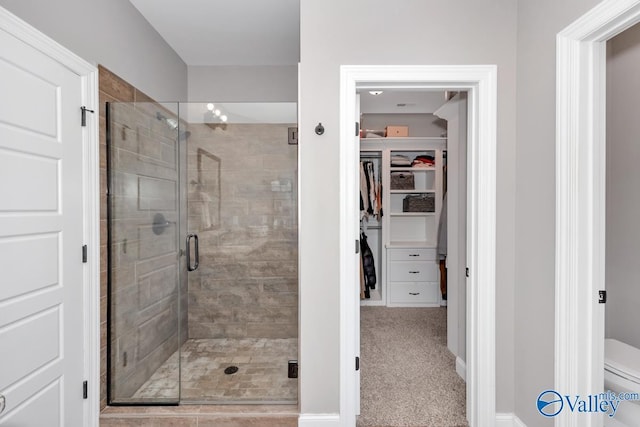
x=413 y=251
x=479 y=82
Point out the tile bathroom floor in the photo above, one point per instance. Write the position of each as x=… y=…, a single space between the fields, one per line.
x=261 y=376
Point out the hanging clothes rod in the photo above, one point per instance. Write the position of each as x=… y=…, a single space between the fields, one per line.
x=371 y=227
x=370 y=156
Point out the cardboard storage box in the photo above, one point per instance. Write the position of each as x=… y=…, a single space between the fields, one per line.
x=395 y=131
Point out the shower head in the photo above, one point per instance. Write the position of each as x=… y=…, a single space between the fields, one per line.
x=172 y=123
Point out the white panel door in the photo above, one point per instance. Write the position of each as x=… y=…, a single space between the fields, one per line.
x=41 y=237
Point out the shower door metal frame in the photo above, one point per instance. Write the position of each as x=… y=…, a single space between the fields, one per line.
x=187 y=248
x=109 y=362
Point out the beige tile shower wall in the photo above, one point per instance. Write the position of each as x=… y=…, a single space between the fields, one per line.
x=145 y=265
x=246 y=285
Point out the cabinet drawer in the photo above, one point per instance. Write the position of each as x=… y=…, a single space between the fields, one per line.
x=416 y=293
x=408 y=254
x=426 y=271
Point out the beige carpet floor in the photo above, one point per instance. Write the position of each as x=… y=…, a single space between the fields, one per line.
x=408 y=375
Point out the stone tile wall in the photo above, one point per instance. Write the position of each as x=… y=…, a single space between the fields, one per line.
x=243 y=207
x=144 y=265
x=242 y=201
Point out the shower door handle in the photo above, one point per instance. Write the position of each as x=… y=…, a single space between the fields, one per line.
x=196 y=252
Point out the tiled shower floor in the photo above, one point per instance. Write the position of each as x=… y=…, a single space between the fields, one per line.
x=261 y=376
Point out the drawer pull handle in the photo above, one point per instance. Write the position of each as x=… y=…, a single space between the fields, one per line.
x=414 y=272
x=414 y=293
x=414 y=254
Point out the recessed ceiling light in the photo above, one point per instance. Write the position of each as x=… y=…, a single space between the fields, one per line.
x=375 y=92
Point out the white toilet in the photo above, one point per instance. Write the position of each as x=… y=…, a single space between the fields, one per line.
x=622 y=374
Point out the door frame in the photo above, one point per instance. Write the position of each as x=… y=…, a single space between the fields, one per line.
x=581 y=199
x=90 y=199
x=481 y=83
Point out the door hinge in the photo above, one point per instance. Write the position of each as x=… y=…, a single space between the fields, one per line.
x=84 y=253
x=357 y=129
x=466 y=271
x=357 y=363
x=602 y=297
x=292 y=136
x=357 y=246
x=85 y=389
x=83 y=120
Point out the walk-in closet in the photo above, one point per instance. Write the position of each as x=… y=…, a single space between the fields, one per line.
x=406 y=140
x=403 y=159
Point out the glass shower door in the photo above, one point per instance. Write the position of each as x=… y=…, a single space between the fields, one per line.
x=243 y=298
x=145 y=214
x=203 y=253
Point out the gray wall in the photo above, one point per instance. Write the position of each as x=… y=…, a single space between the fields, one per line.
x=623 y=198
x=375 y=32
x=538 y=23
x=112 y=33
x=262 y=83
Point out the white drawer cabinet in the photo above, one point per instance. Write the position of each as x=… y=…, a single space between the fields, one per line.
x=415 y=293
x=408 y=271
x=413 y=277
x=417 y=254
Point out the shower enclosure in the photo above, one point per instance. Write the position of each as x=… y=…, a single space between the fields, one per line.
x=202 y=253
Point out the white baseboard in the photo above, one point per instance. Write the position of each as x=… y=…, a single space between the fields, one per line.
x=508 y=420
x=319 y=420
x=461 y=368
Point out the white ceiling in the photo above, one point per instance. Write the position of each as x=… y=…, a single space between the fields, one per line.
x=394 y=100
x=228 y=32
x=258 y=32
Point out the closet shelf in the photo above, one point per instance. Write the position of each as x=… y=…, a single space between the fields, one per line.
x=410 y=168
x=412 y=214
x=409 y=244
x=411 y=191
x=405 y=139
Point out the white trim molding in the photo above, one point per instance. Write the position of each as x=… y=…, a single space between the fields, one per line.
x=90 y=198
x=91 y=215
x=319 y=420
x=508 y=420
x=461 y=368
x=580 y=199
x=481 y=84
